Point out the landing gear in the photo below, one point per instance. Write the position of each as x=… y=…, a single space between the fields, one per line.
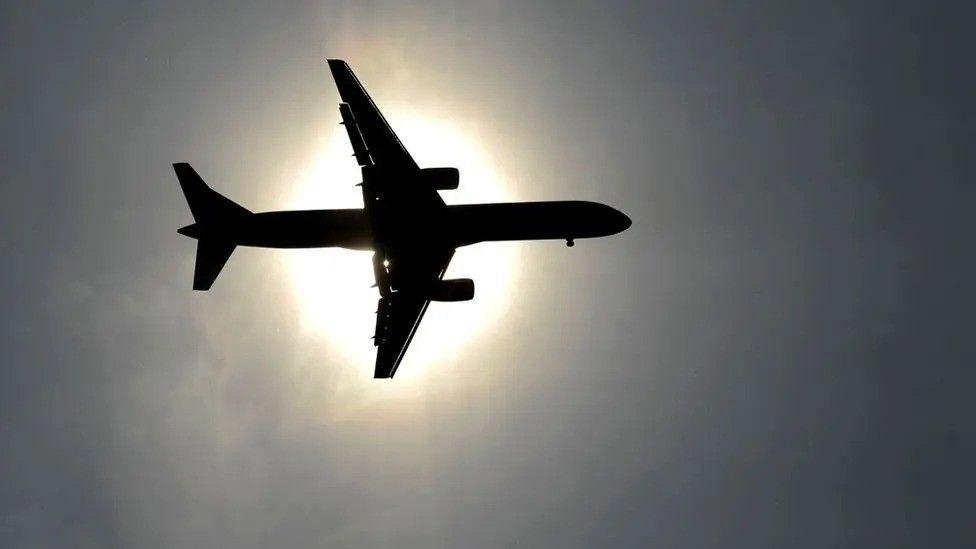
x=570 y=243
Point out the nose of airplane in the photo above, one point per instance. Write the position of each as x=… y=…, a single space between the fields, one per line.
x=619 y=221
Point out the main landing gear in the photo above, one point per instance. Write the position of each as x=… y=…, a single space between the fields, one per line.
x=570 y=243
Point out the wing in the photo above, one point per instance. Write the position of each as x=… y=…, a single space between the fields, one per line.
x=400 y=312
x=411 y=253
x=381 y=144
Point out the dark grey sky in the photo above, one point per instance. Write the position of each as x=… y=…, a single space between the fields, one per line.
x=778 y=353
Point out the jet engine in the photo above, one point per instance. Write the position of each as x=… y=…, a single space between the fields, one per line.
x=440 y=179
x=461 y=289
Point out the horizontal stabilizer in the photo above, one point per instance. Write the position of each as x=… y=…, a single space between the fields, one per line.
x=211 y=256
x=217 y=219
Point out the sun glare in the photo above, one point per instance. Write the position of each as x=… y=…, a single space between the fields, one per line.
x=333 y=286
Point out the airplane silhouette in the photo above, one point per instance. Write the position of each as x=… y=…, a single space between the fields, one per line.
x=404 y=221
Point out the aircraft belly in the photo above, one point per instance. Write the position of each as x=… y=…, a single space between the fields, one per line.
x=307 y=229
x=523 y=221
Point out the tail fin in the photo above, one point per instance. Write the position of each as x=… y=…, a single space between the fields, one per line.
x=216 y=218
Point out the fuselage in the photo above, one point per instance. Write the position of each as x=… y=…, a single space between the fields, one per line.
x=458 y=225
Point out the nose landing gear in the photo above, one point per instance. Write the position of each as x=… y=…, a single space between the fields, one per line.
x=570 y=243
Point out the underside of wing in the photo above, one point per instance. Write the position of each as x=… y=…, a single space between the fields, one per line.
x=398 y=318
x=382 y=144
x=409 y=254
x=399 y=314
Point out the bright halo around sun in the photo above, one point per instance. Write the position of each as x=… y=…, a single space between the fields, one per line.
x=333 y=286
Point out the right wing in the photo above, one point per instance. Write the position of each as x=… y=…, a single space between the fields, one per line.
x=382 y=144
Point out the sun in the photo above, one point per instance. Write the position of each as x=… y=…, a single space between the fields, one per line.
x=333 y=286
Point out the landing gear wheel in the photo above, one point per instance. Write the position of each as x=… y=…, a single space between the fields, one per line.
x=570 y=243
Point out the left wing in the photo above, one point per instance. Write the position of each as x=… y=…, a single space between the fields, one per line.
x=399 y=313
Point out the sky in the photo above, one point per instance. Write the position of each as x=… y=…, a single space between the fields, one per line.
x=778 y=352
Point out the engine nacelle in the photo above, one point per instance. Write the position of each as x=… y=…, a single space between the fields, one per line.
x=460 y=289
x=440 y=179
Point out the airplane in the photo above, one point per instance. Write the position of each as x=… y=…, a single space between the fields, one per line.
x=413 y=234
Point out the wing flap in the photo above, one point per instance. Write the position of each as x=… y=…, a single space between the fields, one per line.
x=359 y=149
